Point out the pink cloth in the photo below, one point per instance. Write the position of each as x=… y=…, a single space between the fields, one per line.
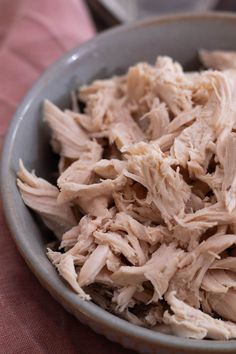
x=32 y=35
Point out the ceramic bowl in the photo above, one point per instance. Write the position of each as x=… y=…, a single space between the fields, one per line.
x=107 y=54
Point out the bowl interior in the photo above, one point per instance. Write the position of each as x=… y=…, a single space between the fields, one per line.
x=111 y=53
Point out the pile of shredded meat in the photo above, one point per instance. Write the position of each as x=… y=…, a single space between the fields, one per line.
x=145 y=204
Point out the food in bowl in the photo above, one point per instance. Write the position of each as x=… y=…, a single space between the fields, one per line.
x=145 y=204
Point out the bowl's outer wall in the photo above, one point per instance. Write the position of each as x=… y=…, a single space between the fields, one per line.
x=111 y=53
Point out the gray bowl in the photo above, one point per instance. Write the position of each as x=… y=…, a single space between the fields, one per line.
x=109 y=53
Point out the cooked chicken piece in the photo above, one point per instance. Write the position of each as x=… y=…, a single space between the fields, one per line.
x=93 y=199
x=217 y=110
x=172 y=86
x=116 y=83
x=95 y=262
x=113 y=262
x=228 y=263
x=123 y=298
x=108 y=113
x=54 y=256
x=85 y=243
x=158 y=120
x=64 y=163
x=201 y=87
x=41 y=196
x=188 y=237
x=189 y=230
x=178 y=100
x=193 y=267
x=193 y=147
x=138 y=209
x=224 y=304
x=81 y=170
x=125 y=222
x=138 y=81
x=123 y=129
x=183 y=119
x=78 y=172
x=231 y=77
x=205 y=218
x=214 y=181
x=132 y=200
x=159 y=270
x=196 y=203
x=82 y=119
x=205 y=306
x=189 y=322
x=68 y=139
x=104 y=278
x=139 y=108
x=139 y=249
x=226 y=151
x=218 y=59
x=166 y=188
x=124 y=135
x=218 y=281
x=66 y=269
x=70 y=237
x=118 y=244
x=122 y=116
x=109 y=169
x=98 y=105
x=166 y=141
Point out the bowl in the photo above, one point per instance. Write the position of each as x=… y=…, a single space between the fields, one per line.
x=28 y=138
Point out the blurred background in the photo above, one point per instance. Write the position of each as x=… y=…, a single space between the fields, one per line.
x=108 y=13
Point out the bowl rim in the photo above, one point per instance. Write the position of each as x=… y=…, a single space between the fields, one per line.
x=106 y=319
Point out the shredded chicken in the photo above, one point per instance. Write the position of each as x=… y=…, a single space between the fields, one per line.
x=192 y=323
x=218 y=59
x=166 y=188
x=145 y=202
x=41 y=196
